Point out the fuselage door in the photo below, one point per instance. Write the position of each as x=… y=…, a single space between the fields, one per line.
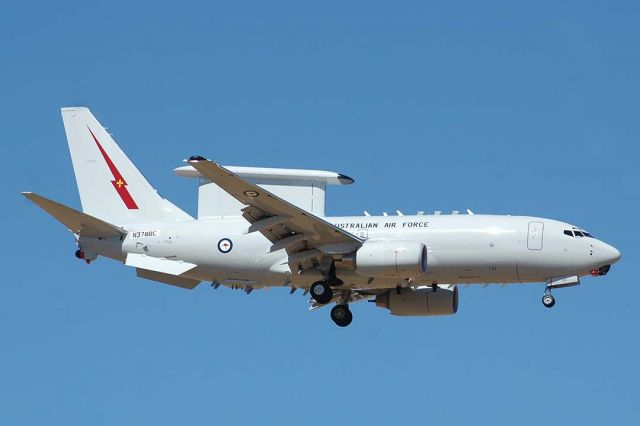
x=534 y=240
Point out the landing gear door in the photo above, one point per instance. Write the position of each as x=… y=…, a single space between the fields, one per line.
x=534 y=239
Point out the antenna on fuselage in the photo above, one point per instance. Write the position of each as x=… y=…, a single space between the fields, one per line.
x=366 y=213
x=469 y=212
x=399 y=213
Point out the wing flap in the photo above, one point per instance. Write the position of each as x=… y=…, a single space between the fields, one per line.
x=77 y=222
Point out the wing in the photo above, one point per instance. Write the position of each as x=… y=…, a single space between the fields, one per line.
x=303 y=235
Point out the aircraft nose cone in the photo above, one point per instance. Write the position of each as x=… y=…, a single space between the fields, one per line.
x=615 y=254
x=611 y=253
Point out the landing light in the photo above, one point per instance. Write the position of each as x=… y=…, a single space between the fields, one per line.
x=601 y=271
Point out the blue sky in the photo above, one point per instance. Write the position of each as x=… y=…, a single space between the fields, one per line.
x=501 y=107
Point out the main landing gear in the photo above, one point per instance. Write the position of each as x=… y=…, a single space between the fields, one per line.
x=341 y=315
x=321 y=292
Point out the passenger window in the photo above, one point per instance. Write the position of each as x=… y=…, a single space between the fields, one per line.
x=569 y=233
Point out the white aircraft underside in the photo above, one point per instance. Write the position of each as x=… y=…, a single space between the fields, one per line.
x=266 y=227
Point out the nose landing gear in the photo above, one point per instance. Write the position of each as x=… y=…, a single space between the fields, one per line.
x=548 y=300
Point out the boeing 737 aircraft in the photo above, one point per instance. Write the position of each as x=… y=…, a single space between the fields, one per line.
x=263 y=227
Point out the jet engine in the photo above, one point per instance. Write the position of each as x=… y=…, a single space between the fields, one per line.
x=391 y=259
x=422 y=302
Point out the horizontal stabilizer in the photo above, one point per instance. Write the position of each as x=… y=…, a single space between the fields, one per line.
x=166 y=266
x=77 y=222
x=183 y=282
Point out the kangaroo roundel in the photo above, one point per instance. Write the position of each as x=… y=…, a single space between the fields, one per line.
x=225 y=245
x=118 y=181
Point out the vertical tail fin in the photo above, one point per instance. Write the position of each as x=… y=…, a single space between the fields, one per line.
x=111 y=187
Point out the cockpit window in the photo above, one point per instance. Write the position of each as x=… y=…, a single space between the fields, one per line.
x=577 y=233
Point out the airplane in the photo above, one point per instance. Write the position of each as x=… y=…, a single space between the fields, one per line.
x=266 y=227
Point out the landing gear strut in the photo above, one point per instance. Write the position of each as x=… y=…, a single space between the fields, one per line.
x=321 y=292
x=341 y=315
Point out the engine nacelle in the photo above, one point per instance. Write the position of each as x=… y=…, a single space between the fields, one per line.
x=391 y=259
x=422 y=302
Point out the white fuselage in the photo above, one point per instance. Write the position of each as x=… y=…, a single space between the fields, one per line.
x=461 y=249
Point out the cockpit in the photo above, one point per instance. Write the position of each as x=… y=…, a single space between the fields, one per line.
x=577 y=233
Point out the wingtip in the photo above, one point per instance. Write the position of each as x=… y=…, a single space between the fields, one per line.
x=345 y=180
x=195 y=159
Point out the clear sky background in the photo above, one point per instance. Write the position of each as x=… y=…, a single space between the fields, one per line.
x=501 y=107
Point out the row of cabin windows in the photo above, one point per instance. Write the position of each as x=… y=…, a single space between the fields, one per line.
x=575 y=233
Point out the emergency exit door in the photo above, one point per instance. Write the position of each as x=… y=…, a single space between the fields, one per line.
x=534 y=240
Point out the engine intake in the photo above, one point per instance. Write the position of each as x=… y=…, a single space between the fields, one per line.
x=422 y=302
x=391 y=258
